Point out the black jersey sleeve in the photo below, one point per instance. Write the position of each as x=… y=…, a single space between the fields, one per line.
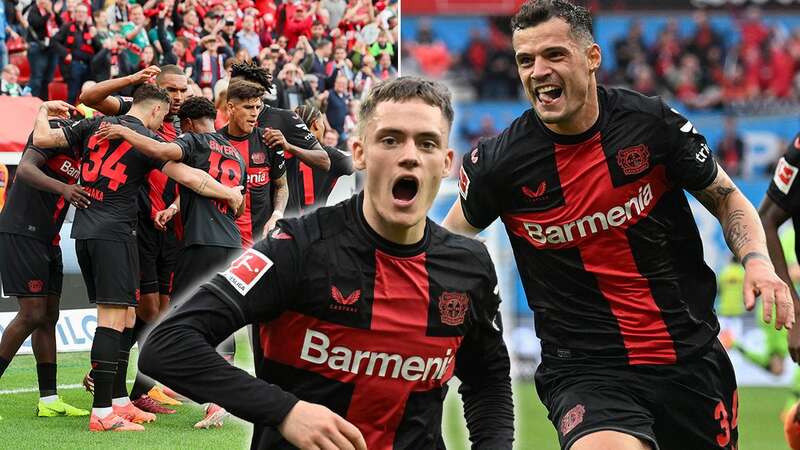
x=690 y=163
x=341 y=162
x=180 y=351
x=277 y=165
x=188 y=143
x=475 y=187
x=297 y=133
x=782 y=189
x=125 y=104
x=483 y=366
x=80 y=131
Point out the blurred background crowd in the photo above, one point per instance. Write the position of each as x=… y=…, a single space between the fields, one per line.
x=324 y=52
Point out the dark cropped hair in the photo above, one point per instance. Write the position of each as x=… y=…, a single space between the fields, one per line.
x=405 y=89
x=244 y=90
x=535 y=12
x=147 y=92
x=197 y=108
x=252 y=73
x=169 y=69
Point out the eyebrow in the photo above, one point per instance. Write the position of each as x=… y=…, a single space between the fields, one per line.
x=423 y=135
x=553 y=48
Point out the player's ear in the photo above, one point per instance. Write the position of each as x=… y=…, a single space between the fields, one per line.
x=359 y=158
x=448 y=162
x=595 y=57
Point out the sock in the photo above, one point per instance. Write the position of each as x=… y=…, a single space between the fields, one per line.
x=3 y=365
x=143 y=384
x=125 y=344
x=48 y=399
x=121 y=401
x=102 y=412
x=105 y=351
x=46 y=373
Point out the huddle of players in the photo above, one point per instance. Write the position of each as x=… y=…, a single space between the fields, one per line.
x=236 y=190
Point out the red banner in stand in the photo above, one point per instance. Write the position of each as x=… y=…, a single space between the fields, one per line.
x=16 y=121
x=460 y=7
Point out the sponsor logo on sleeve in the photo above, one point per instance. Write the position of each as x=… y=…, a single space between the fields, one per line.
x=784 y=177
x=535 y=194
x=246 y=270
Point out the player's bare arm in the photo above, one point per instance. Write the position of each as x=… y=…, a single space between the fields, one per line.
x=100 y=97
x=43 y=135
x=746 y=239
x=165 y=151
x=204 y=184
x=316 y=157
x=773 y=216
x=279 y=199
x=457 y=223
x=30 y=171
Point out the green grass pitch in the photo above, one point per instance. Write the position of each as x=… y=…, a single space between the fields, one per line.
x=759 y=428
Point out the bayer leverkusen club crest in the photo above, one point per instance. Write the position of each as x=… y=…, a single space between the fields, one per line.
x=453 y=307
x=634 y=160
x=35 y=286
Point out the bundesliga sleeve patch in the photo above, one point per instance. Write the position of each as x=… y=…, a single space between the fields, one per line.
x=245 y=271
x=784 y=177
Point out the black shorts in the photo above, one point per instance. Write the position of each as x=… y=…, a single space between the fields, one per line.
x=197 y=264
x=109 y=270
x=678 y=407
x=29 y=267
x=158 y=251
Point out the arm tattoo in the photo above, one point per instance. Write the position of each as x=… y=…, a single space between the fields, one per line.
x=755 y=255
x=737 y=234
x=713 y=196
x=202 y=187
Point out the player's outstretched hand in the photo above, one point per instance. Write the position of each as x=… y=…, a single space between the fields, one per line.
x=58 y=108
x=236 y=200
x=164 y=216
x=760 y=279
x=311 y=426
x=76 y=196
x=144 y=75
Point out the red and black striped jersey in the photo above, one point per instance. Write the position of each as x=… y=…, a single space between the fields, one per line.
x=296 y=133
x=39 y=214
x=605 y=242
x=263 y=164
x=112 y=172
x=208 y=221
x=370 y=329
x=317 y=184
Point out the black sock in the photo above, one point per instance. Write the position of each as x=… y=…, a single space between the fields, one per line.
x=3 y=365
x=143 y=384
x=105 y=352
x=125 y=344
x=47 y=379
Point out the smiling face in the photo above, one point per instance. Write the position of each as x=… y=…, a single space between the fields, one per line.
x=557 y=70
x=404 y=150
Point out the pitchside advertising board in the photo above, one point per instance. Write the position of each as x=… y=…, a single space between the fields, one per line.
x=74 y=330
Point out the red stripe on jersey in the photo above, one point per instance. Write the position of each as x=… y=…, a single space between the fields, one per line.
x=308 y=184
x=349 y=355
x=156 y=185
x=245 y=221
x=167 y=130
x=594 y=218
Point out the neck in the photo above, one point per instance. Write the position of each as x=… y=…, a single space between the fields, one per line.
x=398 y=234
x=584 y=119
x=234 y=130
x=205 y=126
x=139 y=114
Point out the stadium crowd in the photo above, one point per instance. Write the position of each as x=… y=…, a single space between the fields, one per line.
x=323 y=53
x=704 y=69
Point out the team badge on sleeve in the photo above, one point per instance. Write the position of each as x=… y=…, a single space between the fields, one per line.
x=785 y=174
x=245 y=271
x=463 y=183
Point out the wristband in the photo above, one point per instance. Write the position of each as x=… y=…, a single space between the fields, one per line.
x=278 y=214
x=753 y=255
x=173 y=206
